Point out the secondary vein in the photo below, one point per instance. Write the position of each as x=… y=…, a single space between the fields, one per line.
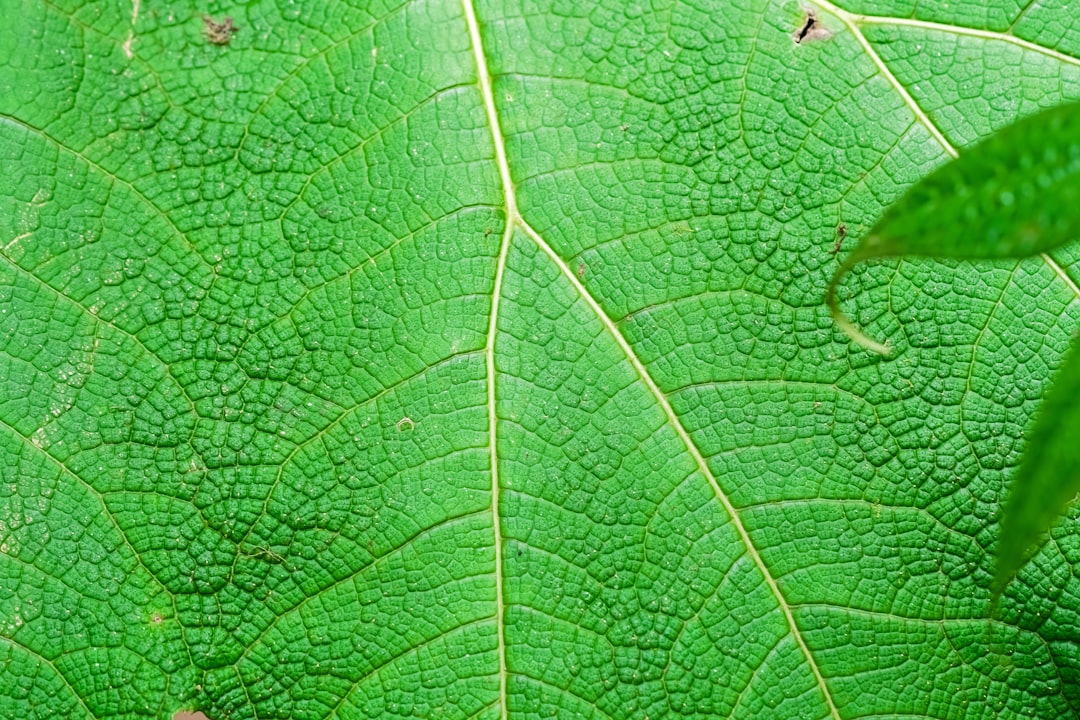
x=513 y=220
x=699 y=459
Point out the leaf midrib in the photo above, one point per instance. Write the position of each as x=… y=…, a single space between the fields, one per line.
x=510 y=204
x=514 y=221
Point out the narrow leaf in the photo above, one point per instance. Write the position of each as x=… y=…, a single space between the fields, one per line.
x=1049 y=474
x=1013 y=195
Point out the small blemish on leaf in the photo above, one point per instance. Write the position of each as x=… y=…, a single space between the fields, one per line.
x=810 y=30
x=405 y=424
x=218 y=33
x=580 y=270
x=841 y=233
x=265 y=552
x=188 y=715
x=156 y=618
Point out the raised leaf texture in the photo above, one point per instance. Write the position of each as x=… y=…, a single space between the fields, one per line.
x=438 y=360
x=1013 y=195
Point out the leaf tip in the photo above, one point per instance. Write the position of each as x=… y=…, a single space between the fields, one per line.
x=842 y=321
x=858 y=336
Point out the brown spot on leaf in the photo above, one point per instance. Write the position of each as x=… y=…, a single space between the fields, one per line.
x=841 y=233
x=188 y=715
x=218 y=33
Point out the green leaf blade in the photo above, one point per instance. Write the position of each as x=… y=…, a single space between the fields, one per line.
x=248 y=300
x=1048 y=479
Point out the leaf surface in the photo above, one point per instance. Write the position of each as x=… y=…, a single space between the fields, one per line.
x=438 y=360
x=1014 y=195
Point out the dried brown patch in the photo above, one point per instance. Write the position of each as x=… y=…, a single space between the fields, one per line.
x=218 y=33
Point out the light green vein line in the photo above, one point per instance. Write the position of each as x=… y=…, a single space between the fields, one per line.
x=699 y=459
x=34 y=653
x=98 y=320
x=853 y=21
x=967 y=32
x=488 y=94
x=1060 y=272
x=113 y=520
x=493 y=423
x=26 y=127
x=484 y=82
x=852 y=24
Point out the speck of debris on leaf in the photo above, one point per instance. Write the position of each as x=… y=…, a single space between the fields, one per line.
x=218 y=33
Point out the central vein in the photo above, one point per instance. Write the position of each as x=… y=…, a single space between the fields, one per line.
x=493 y=326
x=514 y=220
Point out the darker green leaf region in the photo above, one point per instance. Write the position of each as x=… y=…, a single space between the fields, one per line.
x=1049 y=476
x=1013 y=195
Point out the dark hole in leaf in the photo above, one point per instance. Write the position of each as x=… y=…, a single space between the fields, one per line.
x=810 y=30
x=807 y=26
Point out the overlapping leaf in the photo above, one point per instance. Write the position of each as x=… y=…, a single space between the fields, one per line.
x=1014 y=195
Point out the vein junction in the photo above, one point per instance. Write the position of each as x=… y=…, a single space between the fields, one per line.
x=515 y=221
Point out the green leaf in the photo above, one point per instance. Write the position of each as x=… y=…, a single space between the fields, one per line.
x=1049 y=476
x=429 y=359
x=1013 y=195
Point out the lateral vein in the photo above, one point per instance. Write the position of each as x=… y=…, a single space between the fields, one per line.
x=967 y=32
x=852 y=23
x=484 y=79
x=699 y=459
x=515 y=220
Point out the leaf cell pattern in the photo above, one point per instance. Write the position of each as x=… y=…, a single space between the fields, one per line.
x=443 y=359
